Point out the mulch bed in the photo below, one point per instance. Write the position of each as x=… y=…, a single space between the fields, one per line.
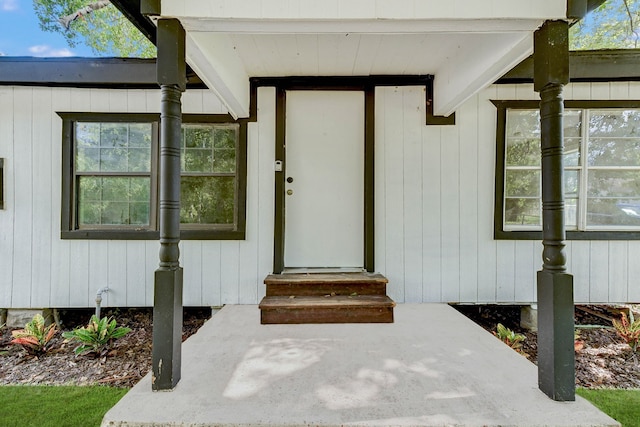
x=604 y=361
x=124 y=365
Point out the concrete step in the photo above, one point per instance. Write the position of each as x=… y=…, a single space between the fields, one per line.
x=326 y=309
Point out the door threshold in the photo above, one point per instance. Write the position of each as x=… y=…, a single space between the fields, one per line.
x=312 y=270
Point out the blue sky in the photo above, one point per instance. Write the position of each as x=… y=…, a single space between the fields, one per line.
x=20 y=34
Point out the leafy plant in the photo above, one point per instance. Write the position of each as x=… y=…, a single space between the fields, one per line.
x=35 y=337
x=509 y=337
x=97 y=336
x=629 y=330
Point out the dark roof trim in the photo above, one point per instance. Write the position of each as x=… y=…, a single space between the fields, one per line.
x=131 y=10
x=121 y=73
x=587 y=66
x=577 y=9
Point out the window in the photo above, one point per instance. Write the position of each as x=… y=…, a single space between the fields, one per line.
x=601 y=175
x=110 y=178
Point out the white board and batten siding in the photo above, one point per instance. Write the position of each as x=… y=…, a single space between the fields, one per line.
x=435 y=208
x=434 y=202
x=41 y=270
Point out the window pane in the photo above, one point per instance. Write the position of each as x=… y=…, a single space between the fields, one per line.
x=522 y=183
x=198 y=136
x=139 y=160
x=197 y=160
x=614 y=152
x=209 y=148
x=113 y=159
x=88 y=159
x=114 y=135
x=224 y=160
x=207 y=200
x=139 y=213
x=613 y=212
x=614 y=183
x=571 y=183
x=87 y=134
x=113 y=200
x=90 y=188
x=571 y=213
x=113 y=147
x=616 y=123
x=225 y=137
x=522 y=212
x=631 y=208
x=572 y=151
x=523 y=124
x=140 y=135
x=572 y=123
x=523 y=152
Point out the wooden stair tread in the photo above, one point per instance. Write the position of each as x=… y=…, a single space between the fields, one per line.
x=324 y=278
x=326 y=298
x=337 y=301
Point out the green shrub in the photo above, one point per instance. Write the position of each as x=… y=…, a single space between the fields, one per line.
x=35 y=337
x=97 y=336
x=509 y=337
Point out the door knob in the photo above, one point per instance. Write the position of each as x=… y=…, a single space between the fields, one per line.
x=289 y=192
x=289 y=180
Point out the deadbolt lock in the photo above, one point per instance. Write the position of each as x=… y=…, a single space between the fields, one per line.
x=289 y=192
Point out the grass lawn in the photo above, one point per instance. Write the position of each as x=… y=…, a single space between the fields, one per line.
x=56 y=406
x=622 y=405
x=73 y=406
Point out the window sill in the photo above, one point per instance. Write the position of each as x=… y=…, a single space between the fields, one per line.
x=571 y=235
x=151 y=235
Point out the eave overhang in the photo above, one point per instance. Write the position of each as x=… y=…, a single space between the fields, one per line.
x=465 y=45
x=587 y=66
x=464 y=56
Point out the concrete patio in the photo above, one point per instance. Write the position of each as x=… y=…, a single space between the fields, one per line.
x=432 y=367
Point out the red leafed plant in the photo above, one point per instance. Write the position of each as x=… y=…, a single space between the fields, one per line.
x=35 y=337
x=629 y=329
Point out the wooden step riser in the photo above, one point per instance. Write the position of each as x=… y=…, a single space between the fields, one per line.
x=327 y=315
x=320 y=289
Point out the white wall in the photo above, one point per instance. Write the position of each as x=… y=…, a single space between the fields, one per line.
x=435 y=203
x=38 y=269
x=434 y=210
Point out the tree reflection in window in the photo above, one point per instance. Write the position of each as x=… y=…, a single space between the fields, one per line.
x=610 y=147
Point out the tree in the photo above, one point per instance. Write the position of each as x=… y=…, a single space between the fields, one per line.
x=98 y=24
x=613 y=25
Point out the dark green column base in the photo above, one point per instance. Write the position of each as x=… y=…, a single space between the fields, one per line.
x=167 y=329
x=556 y=358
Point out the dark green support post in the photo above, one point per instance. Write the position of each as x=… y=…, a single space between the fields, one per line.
x=556 y=360
x=167 y=305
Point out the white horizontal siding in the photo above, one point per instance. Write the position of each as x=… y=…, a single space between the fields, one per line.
x=434 y=210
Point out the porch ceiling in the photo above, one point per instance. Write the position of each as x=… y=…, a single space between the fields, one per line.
x=465 y=47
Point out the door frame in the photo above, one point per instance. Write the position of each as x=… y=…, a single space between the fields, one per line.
x=316 y=84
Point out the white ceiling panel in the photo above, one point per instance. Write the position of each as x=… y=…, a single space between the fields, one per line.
x=464 y=51
x=269 y=55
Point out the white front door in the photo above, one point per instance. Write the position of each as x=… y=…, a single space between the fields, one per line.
x=324 y=201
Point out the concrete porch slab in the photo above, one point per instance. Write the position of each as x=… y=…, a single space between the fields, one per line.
x=432 y=367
